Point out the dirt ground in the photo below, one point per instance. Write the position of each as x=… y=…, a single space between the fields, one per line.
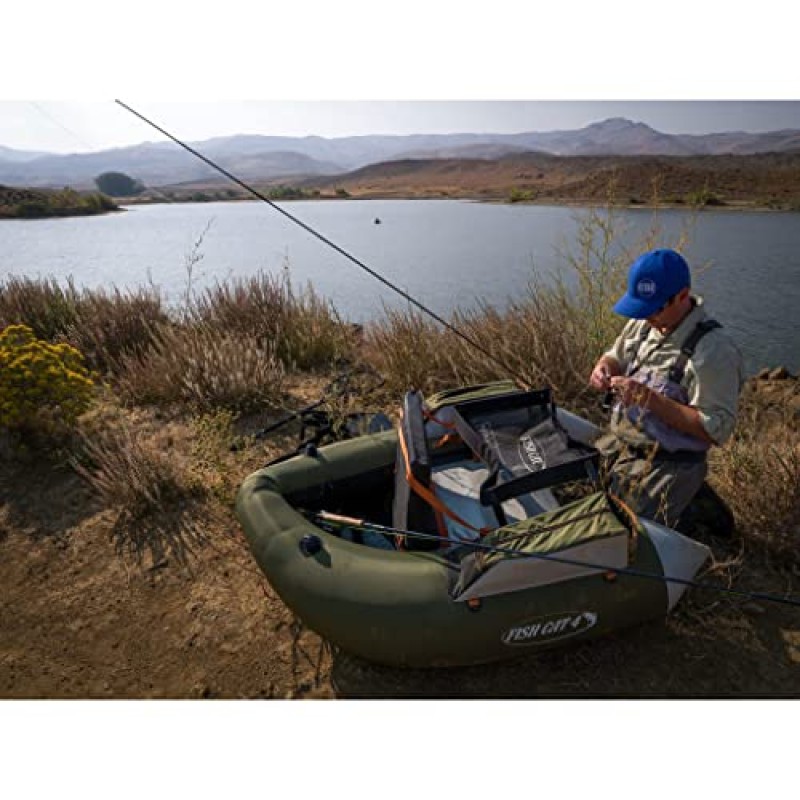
x=187 y=614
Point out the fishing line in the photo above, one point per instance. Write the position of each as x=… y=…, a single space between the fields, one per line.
x=469 y=340
x=337 y=519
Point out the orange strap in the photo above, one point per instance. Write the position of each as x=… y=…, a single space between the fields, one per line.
x=443 y=440
x=447 y=425
x=426 y=494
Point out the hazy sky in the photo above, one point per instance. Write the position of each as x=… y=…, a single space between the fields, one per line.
x=436 y=67
x=60 y=126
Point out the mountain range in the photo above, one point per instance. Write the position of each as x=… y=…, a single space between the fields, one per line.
x=254 y=157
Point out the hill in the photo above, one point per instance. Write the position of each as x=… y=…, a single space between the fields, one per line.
x=256 y=157
x=10 y=154
x=767 y=179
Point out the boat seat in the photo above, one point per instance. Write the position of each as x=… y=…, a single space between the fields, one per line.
x=488 y=492
x=458 y=486
x=523 y=443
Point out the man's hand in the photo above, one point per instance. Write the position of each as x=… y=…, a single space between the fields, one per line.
x=631 y=392
x=604 y=370
x=684 y=418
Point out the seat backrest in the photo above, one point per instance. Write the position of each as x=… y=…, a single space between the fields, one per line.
x=409 y=510
x=522 y=442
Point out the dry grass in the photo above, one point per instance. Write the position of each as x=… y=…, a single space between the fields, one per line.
x=410 y=351
x=42 y=304
x=110 y=325
x=303 y=328
x=103 y=324
x=758 y=474
x=130 y=469
x=203 y=368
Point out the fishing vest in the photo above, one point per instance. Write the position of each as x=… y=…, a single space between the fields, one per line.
x=668 y=438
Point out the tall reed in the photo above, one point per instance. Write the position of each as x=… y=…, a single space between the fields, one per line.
x=204 y=368
x=302 y=328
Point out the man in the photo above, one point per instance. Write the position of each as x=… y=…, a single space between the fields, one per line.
x=669 y=407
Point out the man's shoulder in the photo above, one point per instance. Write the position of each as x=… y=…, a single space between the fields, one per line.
x=716 y=334
x=717 y=348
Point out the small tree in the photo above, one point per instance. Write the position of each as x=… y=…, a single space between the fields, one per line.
x=118 y=184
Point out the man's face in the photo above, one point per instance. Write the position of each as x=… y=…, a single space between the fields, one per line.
x=672 y=313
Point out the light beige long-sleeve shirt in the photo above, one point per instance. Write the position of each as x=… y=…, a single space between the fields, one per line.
x=713 y=378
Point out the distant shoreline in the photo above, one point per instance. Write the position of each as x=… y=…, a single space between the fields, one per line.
x=738 y=205
x=22 y=203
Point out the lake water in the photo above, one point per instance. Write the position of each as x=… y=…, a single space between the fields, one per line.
x=446 y=253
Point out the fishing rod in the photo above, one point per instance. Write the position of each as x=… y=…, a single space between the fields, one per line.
x=338 y=519
x=310 y=416
x=468 y=339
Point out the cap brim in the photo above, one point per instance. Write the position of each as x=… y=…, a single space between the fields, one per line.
x=635 y=307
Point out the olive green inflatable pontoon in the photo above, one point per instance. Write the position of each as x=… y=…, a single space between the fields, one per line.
x=527 y=589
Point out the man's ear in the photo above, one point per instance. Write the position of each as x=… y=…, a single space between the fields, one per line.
x=684 y=293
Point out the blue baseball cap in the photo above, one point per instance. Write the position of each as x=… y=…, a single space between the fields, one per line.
x=653 y=279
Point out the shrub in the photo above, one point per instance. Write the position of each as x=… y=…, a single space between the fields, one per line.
x=704 y=197
x=758 y=474
x=111 y=324
x=128 y=471
x=32 y=209
x=41 y=304
x=286 y=193
x=203 y=368
x=212 y=438
x=99 y=202
x=409 y=350
x=104 y=325
x=520 y=195
x=118 y=184
x=301 y=328
x=44 y=387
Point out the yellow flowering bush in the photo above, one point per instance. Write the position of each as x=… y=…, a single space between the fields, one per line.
x=41 y=384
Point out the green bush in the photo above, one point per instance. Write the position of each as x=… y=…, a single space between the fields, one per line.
x=32 y=209
x=704 y=197
x=286 y=193
x=118 y=184
x=521 y=195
